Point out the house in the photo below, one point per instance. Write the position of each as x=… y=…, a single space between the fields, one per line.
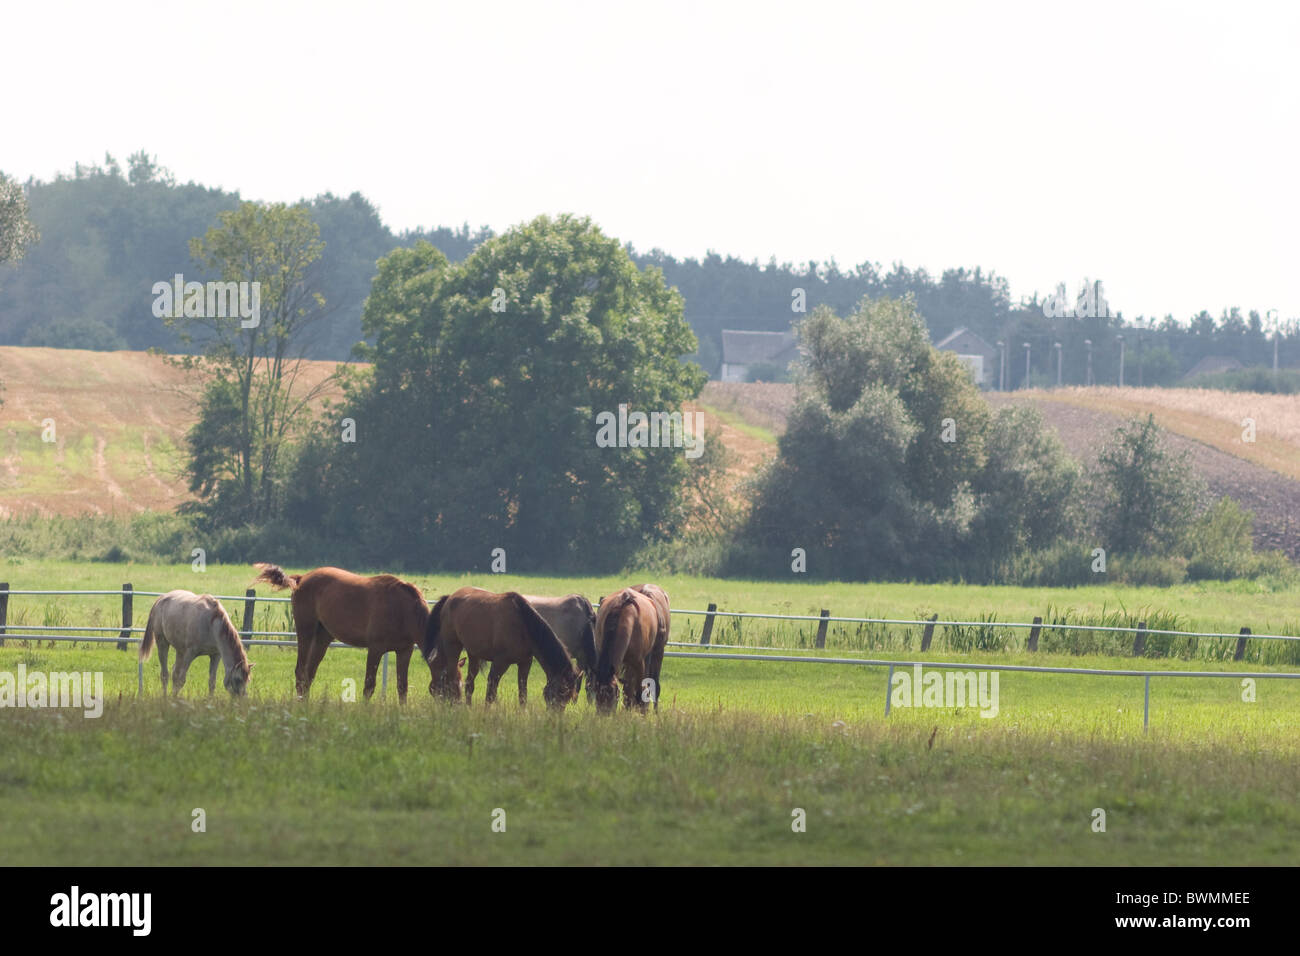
x=742 y=350
x=975 y=352
x=1212 y=365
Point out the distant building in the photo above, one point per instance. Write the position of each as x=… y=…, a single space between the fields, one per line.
x=1212 y=365
x=741 y=351
x=975 y=352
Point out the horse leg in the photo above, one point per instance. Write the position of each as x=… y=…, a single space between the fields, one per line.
x=524 y=667
x=471 y=672
x=633 y=676
x=373 y=656
x=497 y=672
x=656 y=668
x=306 y=627
x=163 y=651
x=184 y=658
x=403 y=658
x=213 y=661
x=318 y=648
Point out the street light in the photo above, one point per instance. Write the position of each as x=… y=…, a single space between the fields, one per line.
x=1121 y=360
x=1058 y=364
x=1088 y=378
x=1026 y=365
x=1277 y=329
x=1002 y=366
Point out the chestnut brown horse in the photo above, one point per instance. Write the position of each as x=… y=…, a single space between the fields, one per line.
x=381 y=613
x=503 y=629
x=630 y=648
x=659 y=597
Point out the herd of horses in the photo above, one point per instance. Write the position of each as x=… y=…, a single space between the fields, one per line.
x=620 y=642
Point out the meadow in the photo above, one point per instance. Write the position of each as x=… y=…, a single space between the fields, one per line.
x=716 y=776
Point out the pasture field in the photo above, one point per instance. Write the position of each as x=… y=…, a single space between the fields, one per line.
x=712 y=778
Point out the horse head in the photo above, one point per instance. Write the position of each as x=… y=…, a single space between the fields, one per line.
x=237 y=678
x=607 y=696
x=562 y=689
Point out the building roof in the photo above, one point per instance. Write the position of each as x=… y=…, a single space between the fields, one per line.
x=750 y=348
x=961 y=339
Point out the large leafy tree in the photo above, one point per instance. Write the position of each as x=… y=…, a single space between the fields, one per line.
x=476 y=428
x=255 y=399
x=16 y=229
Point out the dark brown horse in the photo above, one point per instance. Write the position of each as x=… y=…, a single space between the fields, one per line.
x=630 y=648
x=381 y=613
x=503 y=629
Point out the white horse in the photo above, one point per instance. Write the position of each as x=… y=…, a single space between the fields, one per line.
x=197 y=626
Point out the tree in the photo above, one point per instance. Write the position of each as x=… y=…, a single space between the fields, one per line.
x=254 y=401
x=477 y=427
x=1147 y=494
x=16 y=229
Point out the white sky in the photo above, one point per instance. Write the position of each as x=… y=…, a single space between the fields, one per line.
x=1151 y=145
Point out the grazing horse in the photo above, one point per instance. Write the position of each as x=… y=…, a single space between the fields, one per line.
x=631 y=648
x=573 y=621
x=659 y=597
x=503 y=629
x=381 y=613
x=197 y=626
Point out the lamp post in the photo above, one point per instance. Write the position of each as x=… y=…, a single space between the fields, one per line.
x=1121 y=360
x=1277 y=329
x=1058 y=364
x=1087 y=380
x=1002 y=366
x=1026 y=365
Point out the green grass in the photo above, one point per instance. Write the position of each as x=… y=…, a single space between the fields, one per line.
x=764 y=435
x=712 y=778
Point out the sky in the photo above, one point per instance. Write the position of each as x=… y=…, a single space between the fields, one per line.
x=1149 y=145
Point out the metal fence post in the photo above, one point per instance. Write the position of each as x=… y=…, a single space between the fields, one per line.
x=1146 y=704
x=708 y=624
x=4 y=610
x=821 y=628
x=127 y=597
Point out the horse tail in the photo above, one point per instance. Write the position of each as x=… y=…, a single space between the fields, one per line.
x=430 y=639
x=274 y=575
x=146 y=645
x=608 y=653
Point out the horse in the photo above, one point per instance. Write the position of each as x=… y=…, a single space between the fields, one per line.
x=573 y=621
x=196 y=625
x=631 y=648
x=381 y=613
x=659 y=597
x=503 y=629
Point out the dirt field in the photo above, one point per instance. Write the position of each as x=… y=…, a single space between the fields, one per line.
x=118 y=426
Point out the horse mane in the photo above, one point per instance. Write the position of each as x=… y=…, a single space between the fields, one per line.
x=549 y=650
x=229 y=636
x=605 y=667
x=430 y=639
x=274 y=575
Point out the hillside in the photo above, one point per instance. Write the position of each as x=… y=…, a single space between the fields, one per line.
x=119 y=421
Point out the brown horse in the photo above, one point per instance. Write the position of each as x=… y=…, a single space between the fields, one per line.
x=659 y=597
x=381 y=613
x=631 y=649
x=503 y=629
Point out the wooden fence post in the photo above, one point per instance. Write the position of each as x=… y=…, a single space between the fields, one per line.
x=1140 y=642
x=1240 y=655
x=928 y=634
x=1033 y=634
x=250 y=602
x=127 y=596
x=4 y=610
x=821 y=628
x=708 y=624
